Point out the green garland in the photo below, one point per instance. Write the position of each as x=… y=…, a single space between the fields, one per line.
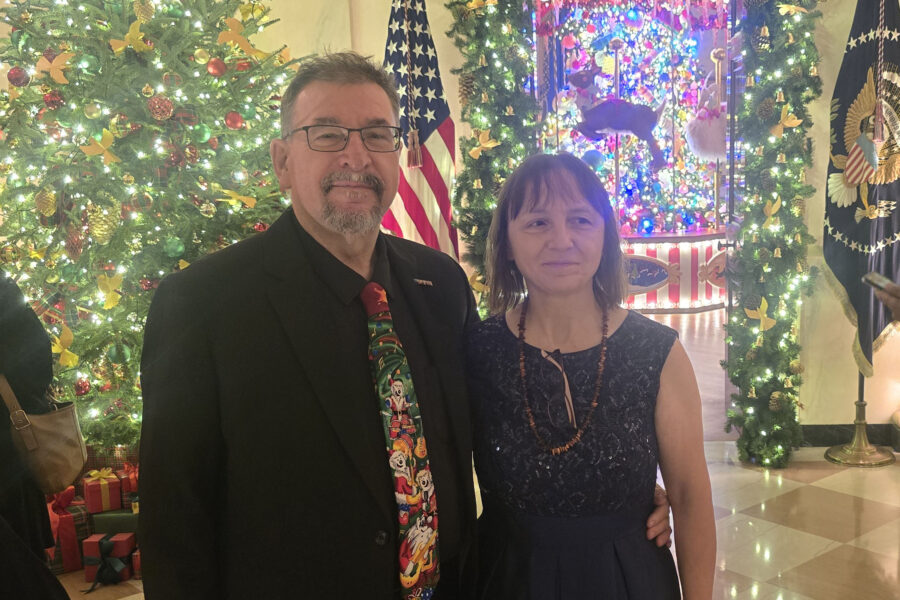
x=769 y=271
x=493 y=39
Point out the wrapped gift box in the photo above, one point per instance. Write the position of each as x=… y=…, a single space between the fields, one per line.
x=136 y=564
x=71 y=525
x=115 y=457
x=108 y=556
x=128 y=478
x=102 y=491
x=115 y=521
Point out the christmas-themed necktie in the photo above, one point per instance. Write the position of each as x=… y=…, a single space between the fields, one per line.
x=406 y=450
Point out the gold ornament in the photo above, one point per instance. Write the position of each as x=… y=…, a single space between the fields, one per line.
x=751 y=82
x=796 y=366
x=45 y=200
x=143 y=10
x=92 y=110
x=482 y=61
x=484 y=98
x=26 y=17
x=788 y=383
x=777 y=253
x=813 y=71
x=775 y=401
x=147 y=91
x=790 y=38
x=779 y=96
x=207 y=209
x=758 y=151
x=201 y=56
x=128 y=179
x=781 y=158
x=476 y=184
x=510 y=111
x=102 y=222
x=752 y=392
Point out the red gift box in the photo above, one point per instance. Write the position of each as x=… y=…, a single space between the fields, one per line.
x=115 y=550
x=136 y=563
x=102 y=491
x=128 y=477
x=70 y=526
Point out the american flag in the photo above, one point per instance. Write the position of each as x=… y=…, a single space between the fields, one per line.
x=422 y=210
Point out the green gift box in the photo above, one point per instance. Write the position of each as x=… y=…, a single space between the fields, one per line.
x=115 y=521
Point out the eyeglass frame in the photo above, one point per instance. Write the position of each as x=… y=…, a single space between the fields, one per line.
x=305 y=128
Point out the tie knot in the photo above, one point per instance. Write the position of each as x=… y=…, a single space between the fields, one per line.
x=374 y=298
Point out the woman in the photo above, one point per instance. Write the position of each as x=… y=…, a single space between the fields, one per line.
x=25 y=360
x=577 y=401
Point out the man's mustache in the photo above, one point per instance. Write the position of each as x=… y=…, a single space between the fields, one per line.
x=365 y=179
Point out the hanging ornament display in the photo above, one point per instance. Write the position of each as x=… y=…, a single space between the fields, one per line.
x=147 y=91
x=74 y=244
x=118 y=354
x=234 y=120
x=173 y=247
x=18 y=77
x=761 y=40
x=243 y=65
x=765 y=110
x=92 y=110
x=143 y=10
x=160 y=107
x=201 y=56
x=216 y=67
x=201 y=133
x=82 y=386
x=45 y=200
x=207 y=209
x=191 y=153
x=102 y=223
x=53 y=100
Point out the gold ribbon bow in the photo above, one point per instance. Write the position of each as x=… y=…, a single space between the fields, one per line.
x=480 y=4
x=61 y=346
x=252 y=10
x=476 y=283
x=770 y=209
x=233 y=36
x=102 y=147
x=485 y=143
x=109 y=286
x=102 y=476
x=133 y=38
x=56 y=67
x=787 y=120
x=765 y=321
x=235 y=199
x=791 y=9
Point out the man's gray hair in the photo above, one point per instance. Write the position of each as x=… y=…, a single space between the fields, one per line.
x=342 y=68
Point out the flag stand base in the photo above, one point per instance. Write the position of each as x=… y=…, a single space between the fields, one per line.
x=859 y=452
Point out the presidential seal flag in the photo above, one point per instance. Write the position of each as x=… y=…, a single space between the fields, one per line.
x=422 y=210
x=862 y=222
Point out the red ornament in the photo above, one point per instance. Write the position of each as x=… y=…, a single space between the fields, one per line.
x=82 y=387
x=18 y=77
x=216 y=67
x=161 y=108
x=213 y=143
x=260 y=226
x=106 y=387
x=50 y=54
x=234 y=120
x=53 y=100
x=243 y=65
x=175 y=158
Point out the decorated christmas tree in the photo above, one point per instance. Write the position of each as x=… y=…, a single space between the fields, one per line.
x=134 y=141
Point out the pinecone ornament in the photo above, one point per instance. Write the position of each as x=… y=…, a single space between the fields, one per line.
x=143 y=10
x=102 y=222
x=775 y=401
x=45 y=200
x=466 y=88
x=761 y=40
x=74 y=244
x=765 y=110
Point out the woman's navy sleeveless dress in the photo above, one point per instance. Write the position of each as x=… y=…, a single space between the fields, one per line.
x=572 y=526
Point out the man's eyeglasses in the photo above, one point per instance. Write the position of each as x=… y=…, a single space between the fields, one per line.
x=334 y=138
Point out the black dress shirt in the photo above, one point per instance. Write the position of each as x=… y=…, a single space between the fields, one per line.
x=342 y=286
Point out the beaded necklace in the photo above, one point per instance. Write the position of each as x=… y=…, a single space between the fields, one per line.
x=601 y=363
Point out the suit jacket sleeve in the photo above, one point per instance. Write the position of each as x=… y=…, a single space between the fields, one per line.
x=182 y=450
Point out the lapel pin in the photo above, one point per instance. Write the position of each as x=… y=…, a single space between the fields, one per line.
x=424 y=282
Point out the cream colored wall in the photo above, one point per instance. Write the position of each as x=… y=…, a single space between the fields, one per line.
x=831 y=379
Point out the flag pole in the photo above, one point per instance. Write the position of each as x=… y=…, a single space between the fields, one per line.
x=859 y=452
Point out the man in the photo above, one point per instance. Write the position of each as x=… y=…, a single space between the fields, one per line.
x=890 y=296
x=265 y=448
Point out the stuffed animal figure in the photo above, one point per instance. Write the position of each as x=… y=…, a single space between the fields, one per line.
x=620 y=116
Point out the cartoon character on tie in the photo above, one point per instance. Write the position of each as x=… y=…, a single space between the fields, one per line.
x=417 y=554
x=398 y=404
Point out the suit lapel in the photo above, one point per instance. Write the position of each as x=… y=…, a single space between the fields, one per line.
x=305 y=316
x=441 y=342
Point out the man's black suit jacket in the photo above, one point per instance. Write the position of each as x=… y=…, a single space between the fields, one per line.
x=255 y=481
